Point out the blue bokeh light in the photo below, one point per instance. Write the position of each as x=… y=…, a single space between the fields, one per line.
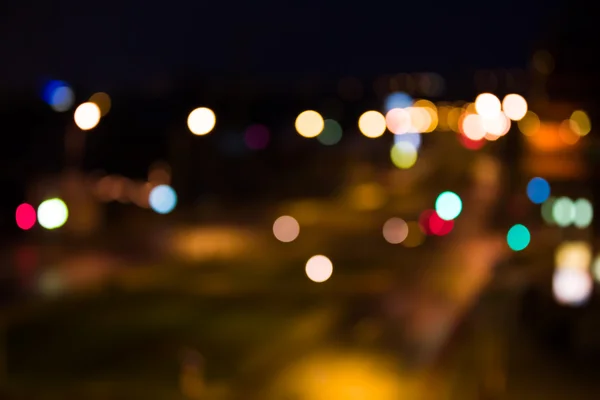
x=414 y=139
x=397 y=100
x=58 y=95
x=538 y=190
x=163 y=199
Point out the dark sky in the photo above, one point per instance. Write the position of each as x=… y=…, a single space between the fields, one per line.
x=114 y=43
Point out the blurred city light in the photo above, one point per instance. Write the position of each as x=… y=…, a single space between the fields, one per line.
x=309 y=124
x=398 y=121
x=584 y=213
x=286 y=229
x=368 y=196
x=58 y=95
x=414 y=139
x=547 y=210
x=573 y=254
x=87 y=116
x=572 y=286
x=472 y=127
x=372 y=124
x=596 y=268
x=497 y=125
x=538 y=190
x=439 y=226
x=404 y=154
x=563 y=211
x=518 y=237
x=319 y=268
x=395 y=230
x=415 y=236
x=332 y=133
x=52 y=213
x=529 y=125
x=488 y=105
x=397 y=100
x=257 y=137
x=25 y=216
x=448 y=205
x=201 y=121
x=580 y=123
x=162 y=199
x=102 y=100
x=514 y=106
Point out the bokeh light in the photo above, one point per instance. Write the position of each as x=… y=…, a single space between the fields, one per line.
x=415 y=236
x=572 y=286
x=439 y=226
x=538 y=190
x=397 y=100
x=286 y=229
x=580 y=123
x=414 y=139
x=309 y=124
x=257 y=137
x=530 y=124
x=59 y=96
x=319 y=268
x=162 y=199
x=487 y=105
x=518 y=237
x=573 y=254
x=472 y=127
x=547 y=209
x=201 y=121
x=87 y=116
x=372 y=124
x=469 y=143
x=398 y=121
x=395 y=230
x=584 y=213
x=514 y=106
x=332 y=133
x=25 y=216
x=404 y=154
x=448 y=206
x=424 y=221
x=102 y=100
x=563 y=211
x=497 y=125
x=52 y=213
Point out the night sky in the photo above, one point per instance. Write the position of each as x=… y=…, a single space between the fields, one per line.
x=111 y=44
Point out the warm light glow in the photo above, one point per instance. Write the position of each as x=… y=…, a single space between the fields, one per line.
x=87 y=116
x=577 y=254
x=580 y=123
x=514 y=106
x=102 y=100
x=309 y=124
x=372 y=124
x=404 y=155
x=201 y=121
x=398 y=121
x=319 y=268
x=497 y=125
x=472 y=127
x=286 y=229
x=487 y=105
x=529 y=125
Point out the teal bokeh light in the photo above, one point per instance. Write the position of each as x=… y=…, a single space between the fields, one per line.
x=448 y=206
x=518 y=237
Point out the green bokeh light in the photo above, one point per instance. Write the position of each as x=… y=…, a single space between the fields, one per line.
x=518 y=237
x=331 y=134
x=448 y=206
x=584 y=213
x=404 y=155
x=563 y=211
x=547 y=211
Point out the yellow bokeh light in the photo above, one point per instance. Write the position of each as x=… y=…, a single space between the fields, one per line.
x=454 y=118
x=398 y=121
x=415 y=235
x=319 y=268
x=580 y=123
x=420 y=119
x=286 y=229
x=529 y=125
x=102 y=100
x=567 y=134
x=432 y=112
x=443 y=118
x=514 y=106
x=87 y=116
x=575 y=254
x=487 y=105
x=372 y=124
x=472 y=127
x=309 y=124
x=201 y=121
x=404 y=155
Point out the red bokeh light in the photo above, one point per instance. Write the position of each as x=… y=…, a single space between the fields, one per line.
x=439 y=226
x=25 y=216
x=470 y=144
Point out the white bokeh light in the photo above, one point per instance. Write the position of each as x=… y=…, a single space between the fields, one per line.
x=319 y=268
x=572 y=286
x=52 y=213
